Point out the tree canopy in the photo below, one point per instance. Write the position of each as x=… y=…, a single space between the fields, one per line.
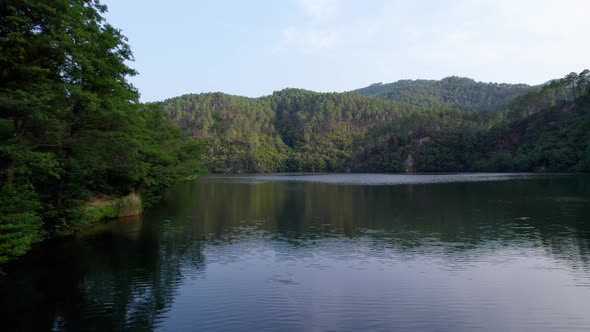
x=469 y=126
x=452 y=92
x=71 y=126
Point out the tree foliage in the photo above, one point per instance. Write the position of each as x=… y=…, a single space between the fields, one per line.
x=546 y=129
x=291 y=130
x=310 y=131
x=452 y=92
x=71 y=125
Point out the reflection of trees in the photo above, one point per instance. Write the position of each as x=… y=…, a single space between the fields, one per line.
x=455 y=217
x=120 y=279
x=125 y=276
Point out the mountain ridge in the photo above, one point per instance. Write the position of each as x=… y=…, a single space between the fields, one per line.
x=451 y=92
x=302 y=130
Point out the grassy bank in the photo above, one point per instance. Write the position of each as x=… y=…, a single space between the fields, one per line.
x=105 y=208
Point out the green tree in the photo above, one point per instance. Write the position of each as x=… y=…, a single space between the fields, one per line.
x=71 y=124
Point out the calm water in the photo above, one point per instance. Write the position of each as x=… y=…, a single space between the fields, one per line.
x=323 y=252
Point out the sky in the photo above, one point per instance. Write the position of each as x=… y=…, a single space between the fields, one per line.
x=255 y=47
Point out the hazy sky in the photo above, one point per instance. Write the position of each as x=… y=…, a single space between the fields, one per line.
x=255 y=47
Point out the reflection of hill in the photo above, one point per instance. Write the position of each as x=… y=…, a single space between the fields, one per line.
x=455 y=216
x=126 y=275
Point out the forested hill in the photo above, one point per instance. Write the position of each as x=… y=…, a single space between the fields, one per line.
x=452 y=92
x=240 y=132
x=535 y=129
x=291 y=130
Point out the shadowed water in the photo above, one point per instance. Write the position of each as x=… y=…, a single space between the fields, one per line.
x=493 y=252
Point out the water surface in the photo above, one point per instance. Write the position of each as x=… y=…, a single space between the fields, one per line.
x=446 y=252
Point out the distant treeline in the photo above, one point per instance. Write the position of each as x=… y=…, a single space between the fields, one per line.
x=455 y=124
x=459 y=93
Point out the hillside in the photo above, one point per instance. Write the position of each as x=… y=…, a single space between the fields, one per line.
x=291 y=130
x=452 y=92
x=547 y=129
x=556 y=139
x=529 y=129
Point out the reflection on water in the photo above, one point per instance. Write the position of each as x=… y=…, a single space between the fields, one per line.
x=327 y=252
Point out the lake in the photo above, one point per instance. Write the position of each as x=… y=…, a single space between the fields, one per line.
x=293 y=252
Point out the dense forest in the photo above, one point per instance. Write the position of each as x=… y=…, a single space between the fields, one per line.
x=546 y=129
x=75 y=143
x=291 y=130
x=500 y=127
x=452 y=92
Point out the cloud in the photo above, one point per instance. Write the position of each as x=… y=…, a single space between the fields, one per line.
x=305 y=40
x=312 y=33
x=486 y=37
x=319 y=8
